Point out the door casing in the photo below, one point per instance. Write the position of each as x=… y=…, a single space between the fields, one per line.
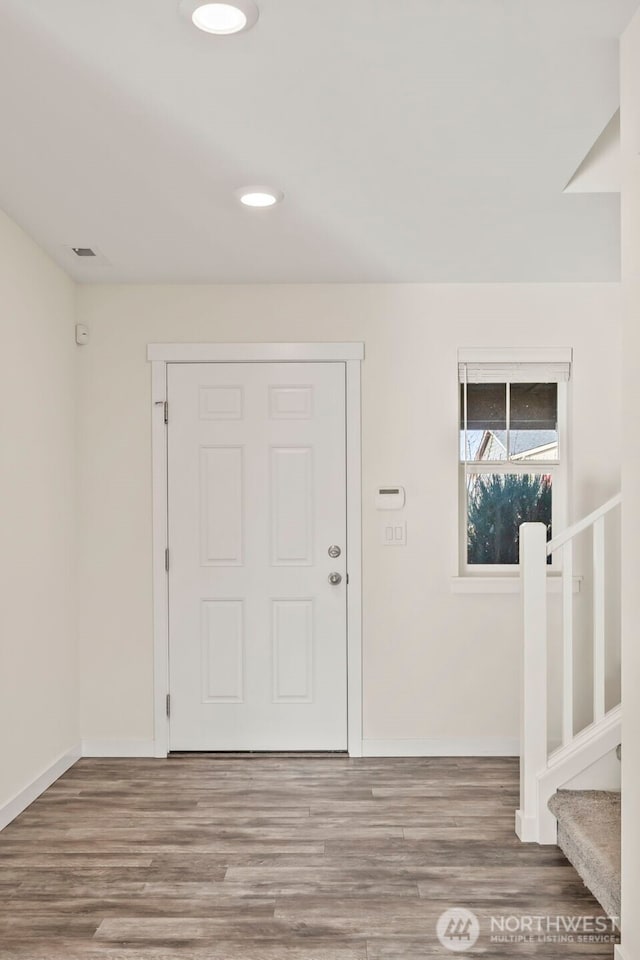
x=161 y=354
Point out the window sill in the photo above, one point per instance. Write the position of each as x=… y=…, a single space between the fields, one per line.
x=509 y=583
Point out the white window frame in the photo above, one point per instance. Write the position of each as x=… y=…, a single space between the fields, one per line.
x=557 y=469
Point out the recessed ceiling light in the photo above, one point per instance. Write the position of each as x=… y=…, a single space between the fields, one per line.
x=259 y=196
x=221 y=18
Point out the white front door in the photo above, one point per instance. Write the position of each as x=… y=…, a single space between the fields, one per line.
x=257 y=497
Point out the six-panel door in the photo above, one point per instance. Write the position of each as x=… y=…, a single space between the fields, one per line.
x=257 y=496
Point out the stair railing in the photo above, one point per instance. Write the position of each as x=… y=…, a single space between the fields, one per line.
x=537 y=764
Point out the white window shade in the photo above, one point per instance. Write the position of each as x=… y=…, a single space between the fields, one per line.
x=517 y=366
x=514 y=372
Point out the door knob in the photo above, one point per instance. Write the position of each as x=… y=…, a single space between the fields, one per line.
x=335 y=579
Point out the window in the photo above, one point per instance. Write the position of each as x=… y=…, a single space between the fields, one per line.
x=512 y=456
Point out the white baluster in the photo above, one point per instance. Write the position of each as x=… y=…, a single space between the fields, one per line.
x=567 y=643
x=598 y=619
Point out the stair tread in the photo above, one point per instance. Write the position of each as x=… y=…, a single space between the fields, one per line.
x=589 y=835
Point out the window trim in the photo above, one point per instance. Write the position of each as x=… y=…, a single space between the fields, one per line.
x=507 y=583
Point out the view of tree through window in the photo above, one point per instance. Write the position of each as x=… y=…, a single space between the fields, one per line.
x=497 y=505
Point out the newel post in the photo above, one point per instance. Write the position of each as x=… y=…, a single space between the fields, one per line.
x=533 y=706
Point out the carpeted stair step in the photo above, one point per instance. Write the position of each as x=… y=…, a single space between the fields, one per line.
x=589 y=836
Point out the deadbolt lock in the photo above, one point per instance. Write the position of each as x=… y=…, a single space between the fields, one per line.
x=334 y=552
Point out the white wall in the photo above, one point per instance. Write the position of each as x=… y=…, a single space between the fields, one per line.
x=38 y=649
x=436 y=665
x=630 y=127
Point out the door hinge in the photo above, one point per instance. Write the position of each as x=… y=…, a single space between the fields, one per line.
x=168 y=704
x=165 y=408
x=166 y=559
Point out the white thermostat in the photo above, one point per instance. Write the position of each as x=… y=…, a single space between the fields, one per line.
x=390 y=497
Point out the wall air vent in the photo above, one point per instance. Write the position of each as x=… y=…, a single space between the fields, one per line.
x=91 y=258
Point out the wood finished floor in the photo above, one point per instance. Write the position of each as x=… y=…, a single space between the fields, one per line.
x=275 y=858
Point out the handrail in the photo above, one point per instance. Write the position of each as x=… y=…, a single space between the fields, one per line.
x=583 y=524
x=534 y=821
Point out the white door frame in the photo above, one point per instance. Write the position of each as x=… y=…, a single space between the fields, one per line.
x=160 y=354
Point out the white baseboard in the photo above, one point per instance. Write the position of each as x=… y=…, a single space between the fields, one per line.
x=526 y=828
x=118 y=748
x=604 y=774
x=14 y=807
x=445 y=747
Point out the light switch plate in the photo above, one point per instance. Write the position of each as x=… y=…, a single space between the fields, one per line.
x=394 y=533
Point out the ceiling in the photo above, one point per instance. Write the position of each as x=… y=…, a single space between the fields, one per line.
x=415 y=140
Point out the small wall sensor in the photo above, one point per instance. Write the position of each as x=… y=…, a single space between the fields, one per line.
x=82 y=334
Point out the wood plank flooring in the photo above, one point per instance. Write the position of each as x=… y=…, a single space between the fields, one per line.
x=276 y=858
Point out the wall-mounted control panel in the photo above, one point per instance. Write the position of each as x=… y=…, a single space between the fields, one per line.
x=390 y=497
x=394 y=530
